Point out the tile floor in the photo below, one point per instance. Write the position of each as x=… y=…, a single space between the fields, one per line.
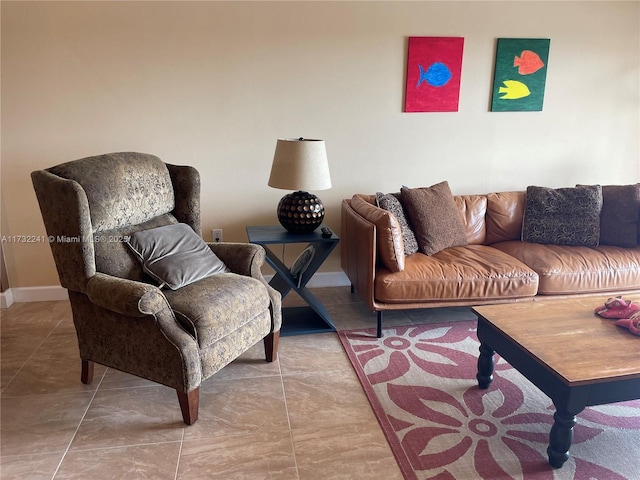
x=303 y=417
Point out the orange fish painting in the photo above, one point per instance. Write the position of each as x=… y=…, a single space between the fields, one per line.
x=528 y=62
x=520 y=74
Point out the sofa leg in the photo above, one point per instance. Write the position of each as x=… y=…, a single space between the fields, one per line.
x=86 y=376
x=379 y=323
x=189 y=402
x=271 y=346
x=353 y=289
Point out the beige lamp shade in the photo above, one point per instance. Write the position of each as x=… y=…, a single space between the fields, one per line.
x=300 y=164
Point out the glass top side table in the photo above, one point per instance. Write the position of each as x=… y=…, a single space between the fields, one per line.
x=313 y=318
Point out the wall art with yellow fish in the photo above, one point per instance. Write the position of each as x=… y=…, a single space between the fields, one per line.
x=520 y=74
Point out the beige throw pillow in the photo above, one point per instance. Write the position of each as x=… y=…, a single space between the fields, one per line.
x=435 y=218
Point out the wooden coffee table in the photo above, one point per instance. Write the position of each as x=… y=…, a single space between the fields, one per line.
x=575 y=357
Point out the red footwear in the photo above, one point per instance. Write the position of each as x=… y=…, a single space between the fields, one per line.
x=617 y=307
x=633 y=323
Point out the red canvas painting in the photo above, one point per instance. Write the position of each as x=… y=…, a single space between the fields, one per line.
x=434 y=66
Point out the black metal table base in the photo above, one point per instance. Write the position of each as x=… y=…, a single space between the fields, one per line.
x=313 y=318
x=301 y=321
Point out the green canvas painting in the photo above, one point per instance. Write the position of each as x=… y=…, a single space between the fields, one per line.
x=520 y=74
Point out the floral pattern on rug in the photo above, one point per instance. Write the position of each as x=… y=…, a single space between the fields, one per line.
x=421 y=383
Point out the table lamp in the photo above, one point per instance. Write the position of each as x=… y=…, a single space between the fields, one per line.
x=300 y=164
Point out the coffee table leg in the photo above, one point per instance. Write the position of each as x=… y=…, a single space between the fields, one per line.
x=560 y=438
x=485 y=366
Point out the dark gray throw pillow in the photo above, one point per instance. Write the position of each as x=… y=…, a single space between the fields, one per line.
x=174 y=255
x=390 y=203
x=620 y=215
x=562 y=216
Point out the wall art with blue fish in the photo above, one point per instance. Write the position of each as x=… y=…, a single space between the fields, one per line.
x=434 y=66
x=520 y=74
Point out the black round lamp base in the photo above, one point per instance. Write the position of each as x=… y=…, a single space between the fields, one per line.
x=300 y=212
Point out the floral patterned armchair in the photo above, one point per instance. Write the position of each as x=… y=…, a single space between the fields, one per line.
x=123 y=320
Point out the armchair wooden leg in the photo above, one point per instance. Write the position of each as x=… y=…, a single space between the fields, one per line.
x=86 y=376
x=271 y=346
x=189 y=405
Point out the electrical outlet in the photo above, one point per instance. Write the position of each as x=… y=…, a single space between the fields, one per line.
x=217 y=234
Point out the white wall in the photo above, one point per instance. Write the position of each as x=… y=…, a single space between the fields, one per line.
x=214 y=84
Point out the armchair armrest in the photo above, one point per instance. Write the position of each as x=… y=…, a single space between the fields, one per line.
x=247 y=259
x=242 y=258
x=135 y=300
x=128 y=297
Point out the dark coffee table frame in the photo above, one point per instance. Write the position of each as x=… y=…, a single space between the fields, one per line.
x=569 y=399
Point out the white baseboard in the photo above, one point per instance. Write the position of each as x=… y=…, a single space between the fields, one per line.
x=329 y=279
x=56 y=292
x=324 y=279
x=34 y=294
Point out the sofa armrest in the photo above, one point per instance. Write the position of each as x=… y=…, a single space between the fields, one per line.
x=389 y=240
x=128 y=297
x=358 y=252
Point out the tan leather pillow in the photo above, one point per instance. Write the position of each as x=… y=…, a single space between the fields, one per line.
x=473 y=211
x=388 y=233
x=504 y=216
x=434 y=217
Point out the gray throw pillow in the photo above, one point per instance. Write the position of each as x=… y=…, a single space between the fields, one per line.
x=562 y=216
x=435 y=217
x=391 y=204
x=174 y=255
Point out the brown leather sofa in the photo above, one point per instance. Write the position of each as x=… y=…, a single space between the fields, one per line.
x=495 y=266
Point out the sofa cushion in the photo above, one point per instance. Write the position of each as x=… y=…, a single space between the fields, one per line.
x=434 y=217
x=214 y=307
x=504 y=216
x=620 y=215
x=576 y=269
x=562 y=216
x=457 y=275
x=391 y=203
x=473 y=211
x=174 y=255
x=390 y=246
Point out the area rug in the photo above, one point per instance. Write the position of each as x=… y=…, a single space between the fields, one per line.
x=420 y=381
